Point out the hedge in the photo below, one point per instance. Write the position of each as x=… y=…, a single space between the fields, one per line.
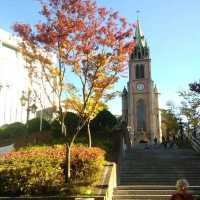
x=34 y=125
x=39 y=171
x=13 y=130
x=87 y=164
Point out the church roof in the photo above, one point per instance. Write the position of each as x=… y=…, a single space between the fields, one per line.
x=139 y=37
x=156 y=90
x=125 y=91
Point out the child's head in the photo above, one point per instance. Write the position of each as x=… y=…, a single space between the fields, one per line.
x=182 y=185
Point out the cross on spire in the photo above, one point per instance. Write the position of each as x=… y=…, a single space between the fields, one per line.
x=138 y=12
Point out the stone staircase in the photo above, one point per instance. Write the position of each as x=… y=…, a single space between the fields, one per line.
x=152 y=173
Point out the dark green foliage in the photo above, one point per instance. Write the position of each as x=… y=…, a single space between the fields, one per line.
x=2 y=135
x=34 y=125
x=71 y=122
x=13 y=130
x=170 y=125
x=103 y=120
x=56 y=128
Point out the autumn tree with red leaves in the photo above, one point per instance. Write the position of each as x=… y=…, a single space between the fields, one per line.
x=94 y=43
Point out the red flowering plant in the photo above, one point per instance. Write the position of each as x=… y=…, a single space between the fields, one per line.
x=29 y=172
x=39 y=171
x=87 y=164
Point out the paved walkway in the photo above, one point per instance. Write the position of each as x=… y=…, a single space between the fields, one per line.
x=6 y=149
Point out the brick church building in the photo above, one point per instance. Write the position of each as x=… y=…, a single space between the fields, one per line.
x=140 y=101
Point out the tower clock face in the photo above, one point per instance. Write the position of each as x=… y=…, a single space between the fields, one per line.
x=140 y=86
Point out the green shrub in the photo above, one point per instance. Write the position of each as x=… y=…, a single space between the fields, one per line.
x=14 y=130
x=1 y=132
x=31 y=172
x=39 y=171
x=34 y=125
x=71 y=122
x=4 y=126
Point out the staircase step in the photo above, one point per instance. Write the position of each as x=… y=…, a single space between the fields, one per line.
x=152 y=187
x=152 y=173
x=150 y=192
x=147 y=197
x=160 y=176
x=152 y=182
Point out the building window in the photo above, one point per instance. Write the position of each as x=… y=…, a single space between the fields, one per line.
x=139 y=55
x=141 y=116
x=139 y=71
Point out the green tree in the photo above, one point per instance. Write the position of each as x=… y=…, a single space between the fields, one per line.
x=104 y=119
x=190 y=108
x=170 y=125
x=71 y=122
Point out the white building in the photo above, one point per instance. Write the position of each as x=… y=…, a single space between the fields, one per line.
x=14 y=83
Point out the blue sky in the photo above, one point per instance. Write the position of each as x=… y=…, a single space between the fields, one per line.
x=172 y=30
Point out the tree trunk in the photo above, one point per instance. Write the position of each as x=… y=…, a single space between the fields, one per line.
x=63 y=127
x=89 y=134
x=41 y=116
x=67 y=170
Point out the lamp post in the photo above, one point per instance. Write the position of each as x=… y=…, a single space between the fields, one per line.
x=131 y=135
x=1 y=86
x=5 y=101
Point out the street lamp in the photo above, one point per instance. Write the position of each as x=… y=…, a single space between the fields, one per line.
x=33 y=108
x=23 y=99
x=131 y=134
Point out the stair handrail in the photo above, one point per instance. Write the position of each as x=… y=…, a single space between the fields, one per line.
x=195 y=143
x=125 y=144
x=126 y=137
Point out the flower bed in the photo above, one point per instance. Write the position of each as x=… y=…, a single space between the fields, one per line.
x=39 y=170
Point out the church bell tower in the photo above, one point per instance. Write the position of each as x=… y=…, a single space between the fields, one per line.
x=142 y=103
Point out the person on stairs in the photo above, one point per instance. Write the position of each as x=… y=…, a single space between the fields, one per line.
x=182 y=191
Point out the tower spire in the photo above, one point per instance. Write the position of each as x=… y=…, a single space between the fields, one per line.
x=141 y=49
x=138 y=11
x=139 y=37
x=138 y=31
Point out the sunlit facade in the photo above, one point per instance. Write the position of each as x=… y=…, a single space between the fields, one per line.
x=15 y=83
x=140 y=103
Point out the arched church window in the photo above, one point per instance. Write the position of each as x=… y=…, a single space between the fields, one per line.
x=141 y=116
x=139 y=71
x=135 y=52
x=143 y=51
x=146 y=52
x=139 y=54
